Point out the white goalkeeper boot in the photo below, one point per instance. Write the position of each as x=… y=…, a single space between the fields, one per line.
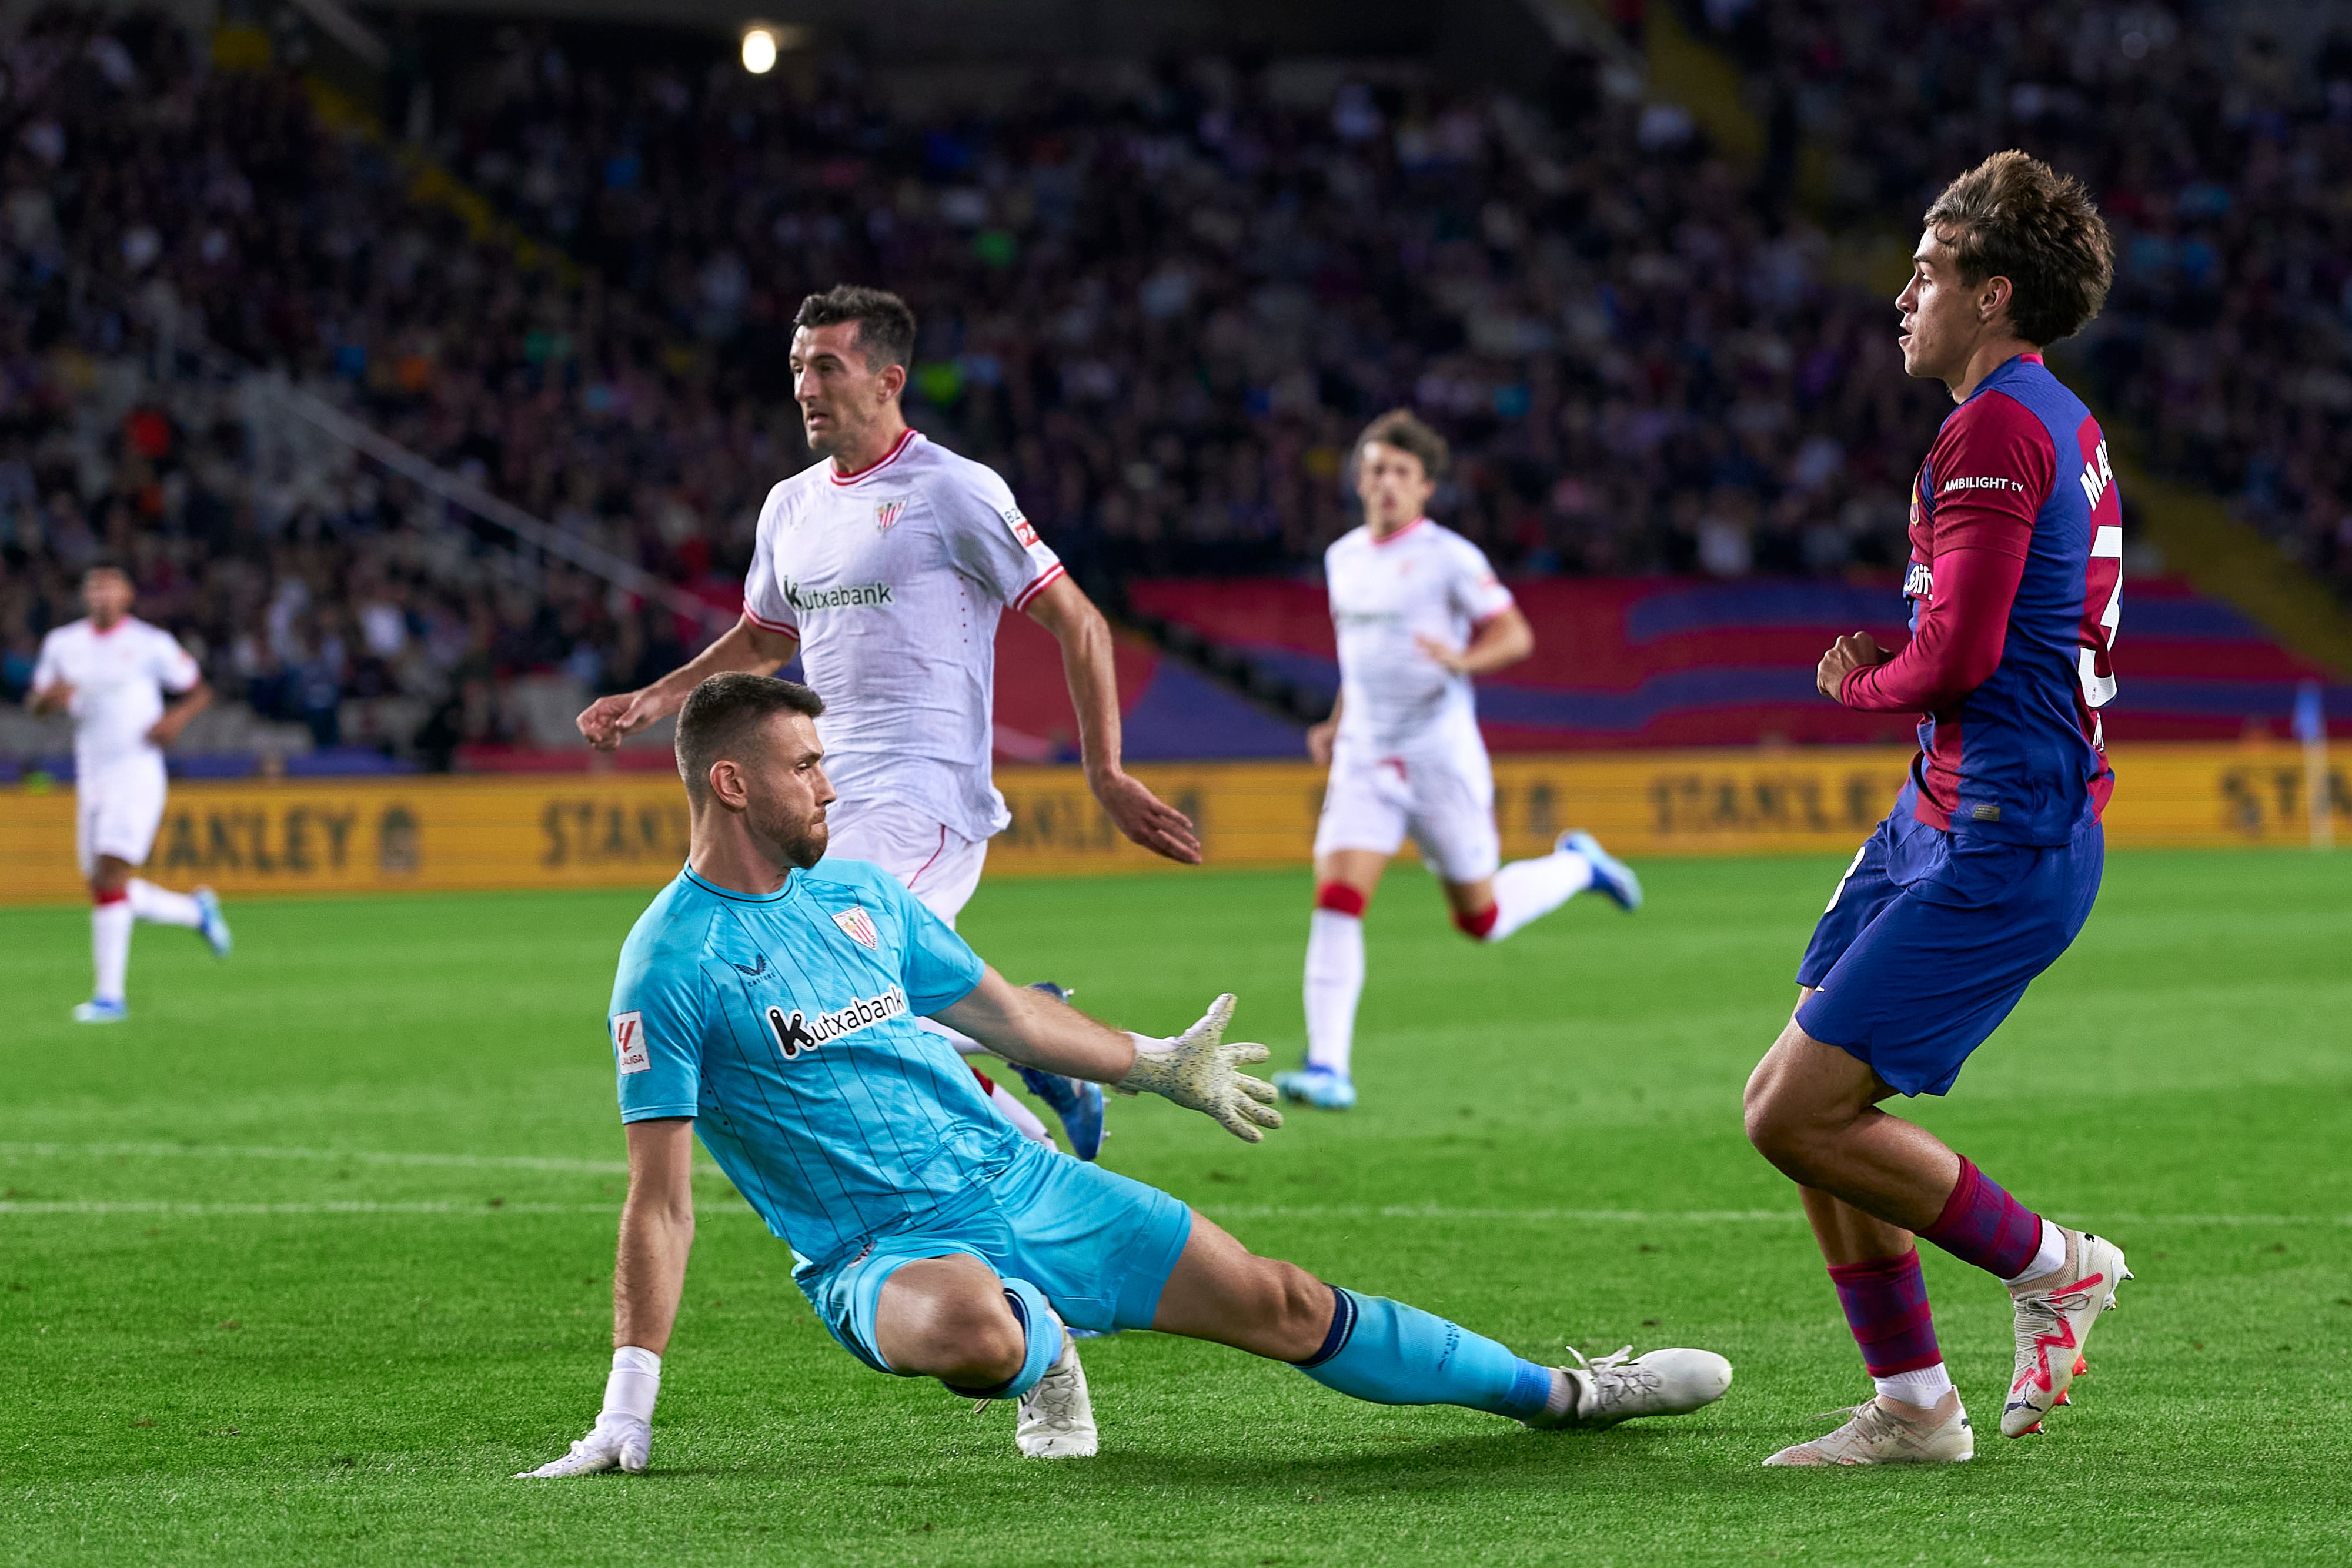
x=1889 y=1432
x=1057 y=1418
x=2056 y=1314
x=1592 y=1394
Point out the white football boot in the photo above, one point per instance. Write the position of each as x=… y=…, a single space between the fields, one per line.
x=1889 y=1432
x=1057 y=1418
x=2055 y=1317
x=1593 y=1394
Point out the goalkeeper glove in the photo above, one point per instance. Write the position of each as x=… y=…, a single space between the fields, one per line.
x=622 y=1436
x=1198 y=1070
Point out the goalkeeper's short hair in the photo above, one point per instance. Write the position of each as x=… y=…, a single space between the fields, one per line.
x=723 y=714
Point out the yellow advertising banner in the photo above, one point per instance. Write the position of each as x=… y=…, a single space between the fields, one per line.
x=376 y=835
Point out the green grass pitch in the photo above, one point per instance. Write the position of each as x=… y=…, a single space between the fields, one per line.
x=299 y=1264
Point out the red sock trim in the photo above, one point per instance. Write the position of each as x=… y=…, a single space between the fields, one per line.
x=1476 y=926
x=987 y=1084
x=1340 y=899
x=1964 y=1193
x=1909 y=1364
x=1875 y=1268
x=119 y=895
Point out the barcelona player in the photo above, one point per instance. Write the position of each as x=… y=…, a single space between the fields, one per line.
x=1988 y=864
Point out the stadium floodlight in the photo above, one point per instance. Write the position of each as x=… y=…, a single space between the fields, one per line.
x=760 y=48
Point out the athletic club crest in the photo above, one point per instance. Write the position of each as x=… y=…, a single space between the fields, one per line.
x=858 y=926
x=885 y=514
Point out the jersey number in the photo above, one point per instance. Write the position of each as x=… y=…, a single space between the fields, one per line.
x=2094 y=663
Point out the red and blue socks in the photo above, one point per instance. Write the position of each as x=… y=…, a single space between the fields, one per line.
x=1885 y=1302
x=1984 y=1226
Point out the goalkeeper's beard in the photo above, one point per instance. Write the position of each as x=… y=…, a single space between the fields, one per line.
x=799 y=844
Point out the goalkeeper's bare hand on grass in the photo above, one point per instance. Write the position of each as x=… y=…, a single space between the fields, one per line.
x=1198 y=1071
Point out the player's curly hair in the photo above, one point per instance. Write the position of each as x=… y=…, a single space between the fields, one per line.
x=723 y=712
x=2016 y=217
x=886 y=323
x=1402 y=429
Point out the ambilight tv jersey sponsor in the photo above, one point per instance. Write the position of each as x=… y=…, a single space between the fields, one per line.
x=798 y=1034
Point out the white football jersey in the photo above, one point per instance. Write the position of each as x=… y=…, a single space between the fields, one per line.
x=893 y=579
x=118 y=679
x=1422 y=581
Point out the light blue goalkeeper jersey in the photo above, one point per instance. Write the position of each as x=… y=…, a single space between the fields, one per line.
x=785 y=1027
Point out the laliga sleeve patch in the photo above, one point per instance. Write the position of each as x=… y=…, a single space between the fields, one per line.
x=629 y=1041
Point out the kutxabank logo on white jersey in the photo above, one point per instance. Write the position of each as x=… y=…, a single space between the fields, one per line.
x=850 y=596
x=798 y=1034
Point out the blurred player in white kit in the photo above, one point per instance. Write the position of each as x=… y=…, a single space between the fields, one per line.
x=887 y=567
x=111 y=672
x=1418 y=614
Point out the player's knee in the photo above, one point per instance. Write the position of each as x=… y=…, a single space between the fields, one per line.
x=973 y=1343
x=959 y=1331
x=1296 y=1310
x=1477 y=927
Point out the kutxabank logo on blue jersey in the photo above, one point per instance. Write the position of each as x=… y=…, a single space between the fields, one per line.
x=797 y=1034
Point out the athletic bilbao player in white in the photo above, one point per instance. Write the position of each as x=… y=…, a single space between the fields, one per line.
x=1418 y=614
x=111 y=672
x=888 y=568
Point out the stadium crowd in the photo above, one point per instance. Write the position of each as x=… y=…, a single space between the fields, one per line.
x=1161 y=310
x=2221 y=155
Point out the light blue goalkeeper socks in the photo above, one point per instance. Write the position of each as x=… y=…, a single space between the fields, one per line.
x=1391 y=1354
x=1041 y=1331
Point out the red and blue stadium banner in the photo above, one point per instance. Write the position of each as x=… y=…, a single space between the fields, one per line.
x=1680 y=661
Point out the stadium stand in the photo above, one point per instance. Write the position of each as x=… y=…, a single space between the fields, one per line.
x=1160 y=306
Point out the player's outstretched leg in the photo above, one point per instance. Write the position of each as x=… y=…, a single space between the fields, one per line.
x=1524 y=891
x=1387 y=1352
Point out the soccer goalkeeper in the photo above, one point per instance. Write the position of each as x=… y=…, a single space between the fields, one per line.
x=768 y=1002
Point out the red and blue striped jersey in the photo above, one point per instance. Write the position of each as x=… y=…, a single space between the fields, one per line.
x=2015 y=586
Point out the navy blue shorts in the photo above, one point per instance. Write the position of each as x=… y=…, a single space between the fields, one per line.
x=1930 y=940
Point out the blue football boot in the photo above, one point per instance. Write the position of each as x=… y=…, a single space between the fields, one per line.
x=1078 y=1104
x=1613 y=879
x=96 y=1011
x=1316 y=1086
x=213 y=926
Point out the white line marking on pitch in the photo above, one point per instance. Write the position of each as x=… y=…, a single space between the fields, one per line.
x=1683 y=1216
x=362 y=1208
x=252 y=1210
x=352 y=1156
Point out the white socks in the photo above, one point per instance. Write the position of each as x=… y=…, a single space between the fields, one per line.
x=2052 y=1253
x=1921 y=1388
x=1335 y=983
x=1530 y=890
x=109 y=947
x=1024 y=1119
x=162 y=906
x=634 y=1383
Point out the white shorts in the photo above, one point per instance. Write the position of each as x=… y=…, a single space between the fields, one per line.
x=117 y=811
x=1446 y=801
x=939 y=865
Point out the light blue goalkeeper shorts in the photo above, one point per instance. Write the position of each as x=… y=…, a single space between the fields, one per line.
x=1100 y=1245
